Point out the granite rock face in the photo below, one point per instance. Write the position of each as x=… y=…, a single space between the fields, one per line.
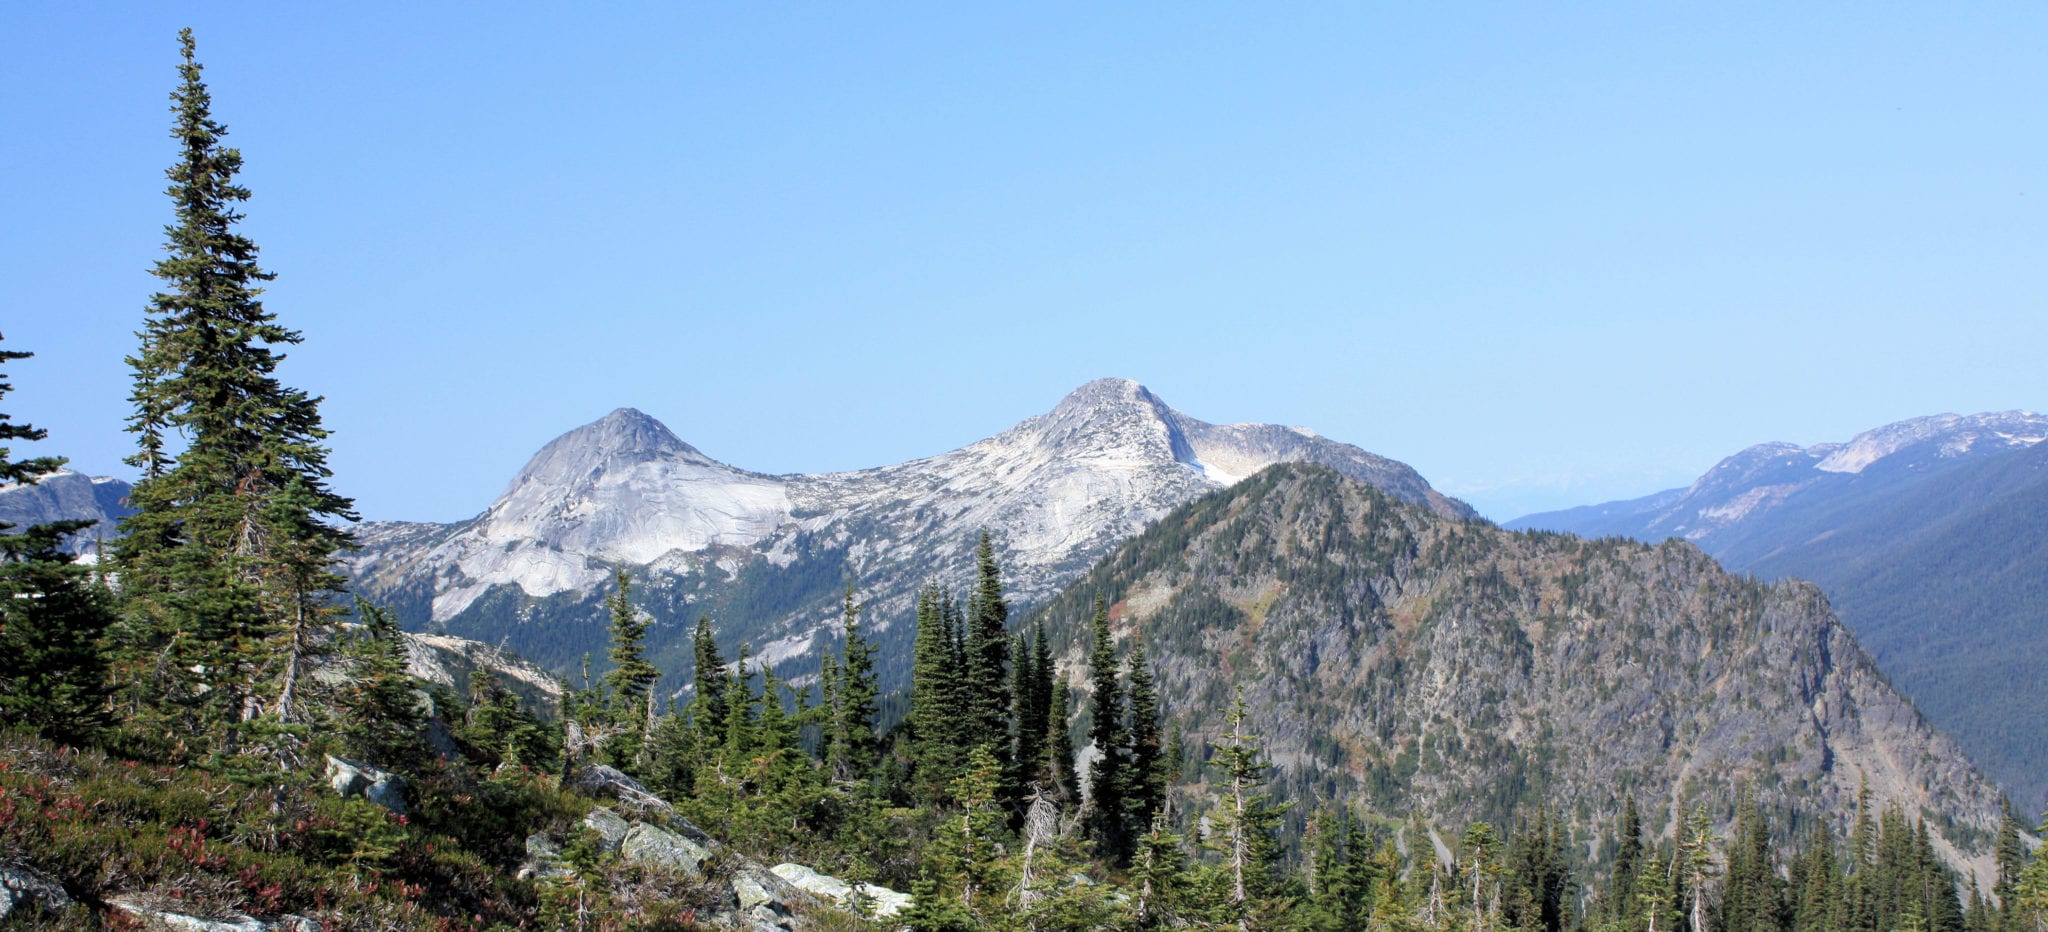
x=765 y=555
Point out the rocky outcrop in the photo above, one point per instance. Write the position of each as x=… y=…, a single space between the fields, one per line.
x=746 y=893
x=152 y=913
x=1411 y=663
x=881 y=902
x=24 y=891
x=350 y=778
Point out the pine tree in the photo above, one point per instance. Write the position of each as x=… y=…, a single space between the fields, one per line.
x=708 y=674
x=1144 y=790
x=853 y=747
x=935 y=694
x=226 y=565
x=52 y=669
x=1106 y=732
x=629 y=685
x=1246 y=823
x=1027 y=730
x=1620 y=903
x=1059 y=746
x=987 y=656
x=381 y=720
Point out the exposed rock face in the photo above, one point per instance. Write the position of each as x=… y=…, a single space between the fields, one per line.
x=886 y=902
x=24 y=890
x=747 y=894
x=65 y=495
x=765 y=555
x=1397 y=658
x=1930 y=537
x=148 y=913
x=349 y=778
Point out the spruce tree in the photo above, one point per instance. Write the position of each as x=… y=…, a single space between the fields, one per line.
x=1144 y=790
x=1628 y=859
x=1106 y=732
x=987 y=655
x=629 y=684
x=1059 y=746
x=226 y=564
x=852 y=711
x=52 y=669
x=709 y=673
x=1247 y=823
x=1027 y=732
x=936 y=692
x=381 y=720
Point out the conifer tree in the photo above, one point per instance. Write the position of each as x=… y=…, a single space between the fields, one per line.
x=1027 y=732
x=225 y=565
x=1106 y=731
x=852 y=709
x=52 y=669
x=1144 y=791
x=1628 y=859
x=1246 y=822
x=987 y=656
x=935 y=693
x=381 y=720
x=1059 y=746
x=629 y=685
x=708 y=673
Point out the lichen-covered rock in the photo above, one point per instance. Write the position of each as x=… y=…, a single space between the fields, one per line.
x=351 y=778
x=883 y=901
x=151 y=915
x=603 y=782
x=611 y=828
x=659 y=847
x=23 y=890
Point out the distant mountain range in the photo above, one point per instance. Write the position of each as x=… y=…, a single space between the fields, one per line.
x=65 y=495
x=767 y=557
x=1930 y=536
x=1412 y=661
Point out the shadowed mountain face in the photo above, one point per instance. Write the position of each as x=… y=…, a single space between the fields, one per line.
x=67 y=496
x=1414 y=661
x=768 y=557
x=1929 y=536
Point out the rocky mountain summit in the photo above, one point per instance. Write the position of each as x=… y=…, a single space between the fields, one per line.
x=767 y=557
x=1416 y=664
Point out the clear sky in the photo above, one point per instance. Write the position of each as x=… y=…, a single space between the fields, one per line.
x=1547 y=253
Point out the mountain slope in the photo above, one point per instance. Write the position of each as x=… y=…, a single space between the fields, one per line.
x=1933 y=550
x=1393 y=655
x=767 y=557
x=65 y=495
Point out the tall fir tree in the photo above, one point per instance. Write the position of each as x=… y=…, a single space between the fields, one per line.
x=226 y=565
x=1247 y=824
x=708 y=671
x=987 y=654
x=629 y=684
x=935 y=693
x=1106 y=780
x=52 y=668
x=1144 y=790
x=1059 y=746
x=851 y=712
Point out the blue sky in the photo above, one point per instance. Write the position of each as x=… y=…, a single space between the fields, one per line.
x=1548 y=254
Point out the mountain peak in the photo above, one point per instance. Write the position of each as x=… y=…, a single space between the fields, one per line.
x=1107 y=391
x=628 y=431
